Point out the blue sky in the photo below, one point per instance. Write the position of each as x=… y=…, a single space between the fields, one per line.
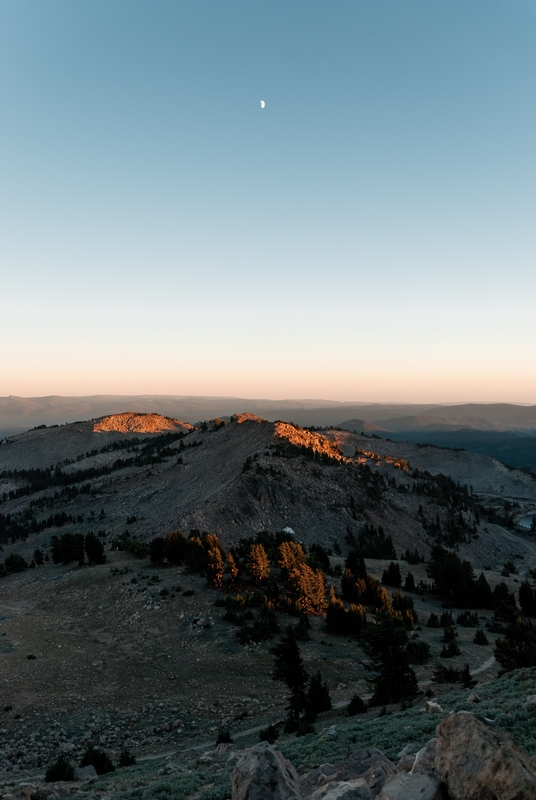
x=369 y=235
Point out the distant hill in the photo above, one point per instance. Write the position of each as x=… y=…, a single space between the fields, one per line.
x=515 y=450
x=361 y=426
x=27 y=412
x=151 y=474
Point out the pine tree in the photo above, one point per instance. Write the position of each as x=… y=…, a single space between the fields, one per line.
x=465 y=677
x=527 y=599
x=258 y=562
x=289 y=669
x=291 y=556
x=391 y=576
x=518 y=647
x=409 y=585
x=215 y=567
x=386 y=644
x=307 y=589
x=232 y=570
x=94 y=549
x=318 y=699
x=175 y=547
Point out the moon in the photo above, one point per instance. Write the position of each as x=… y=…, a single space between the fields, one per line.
x=262 y=103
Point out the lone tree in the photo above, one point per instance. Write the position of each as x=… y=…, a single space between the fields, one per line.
x=289 y=669
x=386 y=644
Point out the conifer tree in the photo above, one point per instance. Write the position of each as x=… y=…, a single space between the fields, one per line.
x=318 y=699
x=518 y=647
x=307 y=589
x=215 y=567
x=232 y=570
x=175 y=547
x=289 y=669
x=258 y=562
x=291 y=556
x=94 y=549
x=386 y=644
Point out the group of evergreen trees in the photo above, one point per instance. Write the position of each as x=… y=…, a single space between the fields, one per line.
x=309 y=695
x=75 y=547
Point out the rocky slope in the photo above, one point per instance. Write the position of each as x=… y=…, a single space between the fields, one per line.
x=151 y=474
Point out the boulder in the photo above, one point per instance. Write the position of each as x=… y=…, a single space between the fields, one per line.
x=85 y=773
x=477 y=761
x=368 y=763
x=433 y=708
x=378 y=774
x=344 y=790
x=406 y=758
x=405 y=764
x=473 y=698
x=424 y=763
x=263 y=774
x=412 y=787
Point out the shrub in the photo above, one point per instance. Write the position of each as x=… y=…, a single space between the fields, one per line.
x=449 y=634
x=467 y=620
x=445 y=674
x=480 y=637
x=224 y=736
x=301 y=631
x=126 y=758
x=418 y=651
x=356 y=706
x=269 y=734
x=450 y=650
x=99 y=759
x=60 y=770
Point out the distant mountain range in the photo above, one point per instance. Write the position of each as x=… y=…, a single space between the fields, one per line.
x=503 y=430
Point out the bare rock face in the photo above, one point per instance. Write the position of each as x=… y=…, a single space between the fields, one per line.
x=263 y=774
x=412 y=787
x=479 y=762
x=344 y=790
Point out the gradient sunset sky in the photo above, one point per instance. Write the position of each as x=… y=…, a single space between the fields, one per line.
x=368 y=236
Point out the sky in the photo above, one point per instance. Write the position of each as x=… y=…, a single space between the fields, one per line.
x=369 y=235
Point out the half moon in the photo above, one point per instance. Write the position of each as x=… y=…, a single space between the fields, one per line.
x=262 y=103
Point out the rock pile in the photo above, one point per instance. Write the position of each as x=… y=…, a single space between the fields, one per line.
x=469 y=760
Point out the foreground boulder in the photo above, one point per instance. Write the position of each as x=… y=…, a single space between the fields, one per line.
x=424 y=763
x=479 y=762
x=412 y=787
x=368 y=763
x=263 y=774
x=344 y=790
